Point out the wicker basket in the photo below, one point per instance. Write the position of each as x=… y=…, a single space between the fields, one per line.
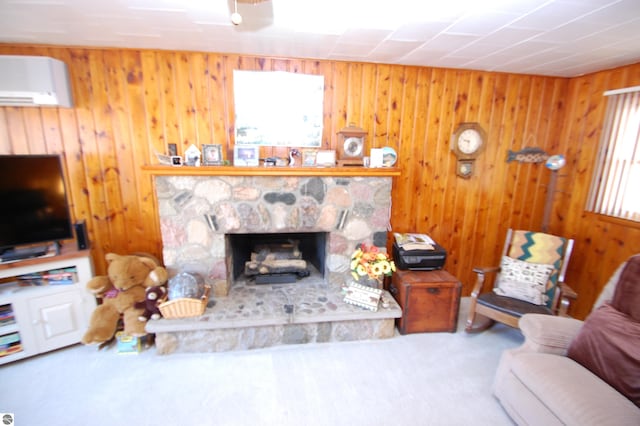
x=185 y=307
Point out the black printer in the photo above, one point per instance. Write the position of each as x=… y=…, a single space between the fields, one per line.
x=418 y=252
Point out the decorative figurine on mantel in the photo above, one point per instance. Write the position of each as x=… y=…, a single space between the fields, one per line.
x=192 y=156
x=293 y=153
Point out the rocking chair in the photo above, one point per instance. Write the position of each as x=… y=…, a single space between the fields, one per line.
x=530 y=279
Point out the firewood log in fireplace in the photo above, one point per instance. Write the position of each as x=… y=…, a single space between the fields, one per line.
x=274 y=251
x=275 y=266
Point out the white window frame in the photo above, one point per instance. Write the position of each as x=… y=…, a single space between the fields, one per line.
x=616 y=182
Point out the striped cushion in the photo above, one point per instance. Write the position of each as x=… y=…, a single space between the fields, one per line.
x=538 y=247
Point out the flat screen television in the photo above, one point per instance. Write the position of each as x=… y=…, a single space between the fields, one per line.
x=35 y=212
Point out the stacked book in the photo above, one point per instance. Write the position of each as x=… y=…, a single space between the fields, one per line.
x=64 y=276
x=6 y=315
x=10 y=344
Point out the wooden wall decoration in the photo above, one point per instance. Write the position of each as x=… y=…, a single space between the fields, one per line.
x=130 y=104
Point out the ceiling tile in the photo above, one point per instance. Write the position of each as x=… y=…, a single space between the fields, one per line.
x=552 y=15
x=351 y=50
x=569 y=32
x=364 y=36
x=615 y=13
x=481 y=23
x=450 y=42
x=508 y=36
x=419 y=31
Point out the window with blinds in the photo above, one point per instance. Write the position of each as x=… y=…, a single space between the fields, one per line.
x=616 y=181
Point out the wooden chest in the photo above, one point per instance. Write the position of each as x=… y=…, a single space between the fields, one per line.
x=430 y=300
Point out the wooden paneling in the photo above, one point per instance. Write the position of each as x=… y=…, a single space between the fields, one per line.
x=129 y=104
x=601 y=243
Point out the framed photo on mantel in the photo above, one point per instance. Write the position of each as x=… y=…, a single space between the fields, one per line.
x=211 y=155
x=246 y=155
x=309 y=157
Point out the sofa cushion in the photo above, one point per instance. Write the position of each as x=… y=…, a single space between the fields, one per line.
x=523 y=280
x=608 y=345
x=571 y=392
x=626 y=297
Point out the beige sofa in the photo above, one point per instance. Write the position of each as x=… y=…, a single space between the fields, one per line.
x=538 y=384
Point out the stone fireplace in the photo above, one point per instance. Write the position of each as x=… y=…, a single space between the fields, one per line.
x=197 y=212
x=203 y=217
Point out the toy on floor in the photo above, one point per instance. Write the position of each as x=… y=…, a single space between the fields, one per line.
x=124 y=285
x=154 y=297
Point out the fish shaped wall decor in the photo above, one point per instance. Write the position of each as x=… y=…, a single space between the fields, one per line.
x=527 y=155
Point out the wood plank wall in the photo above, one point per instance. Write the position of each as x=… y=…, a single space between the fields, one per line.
x=130 y=103
x=601 y=243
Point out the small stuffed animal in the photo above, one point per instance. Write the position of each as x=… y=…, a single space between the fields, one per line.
x=154 y=296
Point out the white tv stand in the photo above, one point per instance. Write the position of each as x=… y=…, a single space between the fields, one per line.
x=45 y=317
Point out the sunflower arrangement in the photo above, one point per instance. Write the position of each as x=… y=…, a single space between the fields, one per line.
x=369 y=261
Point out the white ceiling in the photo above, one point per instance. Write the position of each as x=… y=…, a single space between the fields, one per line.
x=546 y=37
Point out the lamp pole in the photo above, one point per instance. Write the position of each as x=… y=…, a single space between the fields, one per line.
x=548 y=204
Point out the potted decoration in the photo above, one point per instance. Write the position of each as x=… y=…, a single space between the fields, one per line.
x=369 y=266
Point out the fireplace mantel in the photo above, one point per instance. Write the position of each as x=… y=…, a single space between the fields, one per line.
x=159 y=170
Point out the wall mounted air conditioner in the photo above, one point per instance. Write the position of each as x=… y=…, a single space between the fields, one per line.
x=34 y=81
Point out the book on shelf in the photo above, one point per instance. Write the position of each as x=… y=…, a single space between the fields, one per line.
x=10 y=348
x=6 y=315
x=10 y=344
x=63 y=276
x=8 y=339
x=7 y=321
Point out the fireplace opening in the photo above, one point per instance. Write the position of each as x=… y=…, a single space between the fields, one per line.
x=278 y=258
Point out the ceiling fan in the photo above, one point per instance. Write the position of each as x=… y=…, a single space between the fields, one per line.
x=251 y=14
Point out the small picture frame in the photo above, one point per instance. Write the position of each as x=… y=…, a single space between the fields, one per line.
x=211 y=155
x=309 y=157
x=246 y=155
x=164 y=159
x=173 y=149
x=376 y=157
x=326 y=158
x=176 y=160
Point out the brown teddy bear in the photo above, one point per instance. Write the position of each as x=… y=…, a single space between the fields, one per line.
x=124 y=285
x=151 y=305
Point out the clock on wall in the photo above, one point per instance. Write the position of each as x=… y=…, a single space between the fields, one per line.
x=351 y=145
x=466 y=143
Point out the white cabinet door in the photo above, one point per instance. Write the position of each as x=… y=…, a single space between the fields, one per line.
x=57 y=320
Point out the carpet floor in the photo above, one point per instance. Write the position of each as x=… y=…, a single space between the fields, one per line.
x=416 y=379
